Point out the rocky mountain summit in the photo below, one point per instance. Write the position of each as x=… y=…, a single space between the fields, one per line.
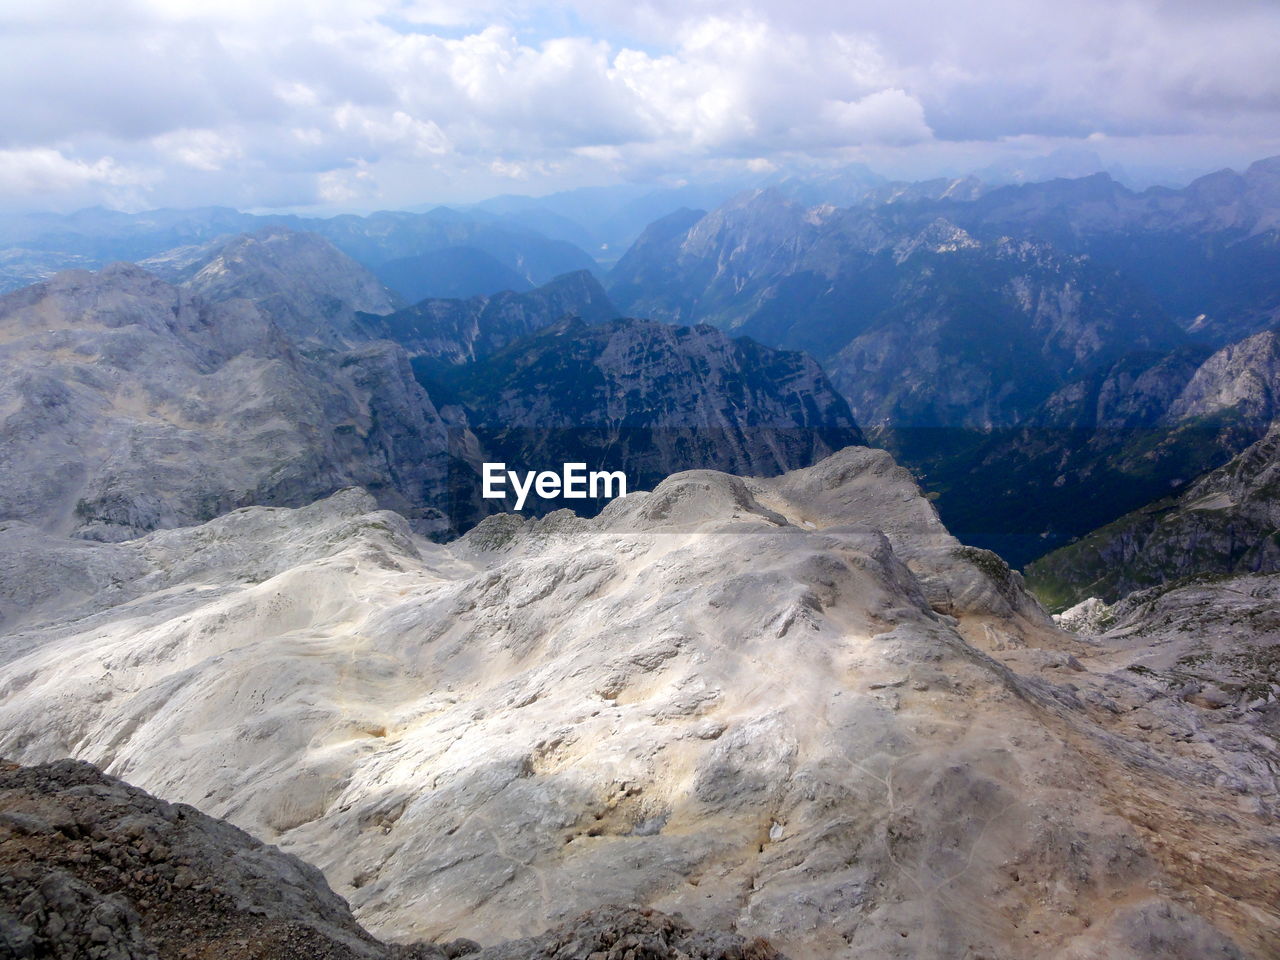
x=793 y=707
x=310 y=288
x=132 y=404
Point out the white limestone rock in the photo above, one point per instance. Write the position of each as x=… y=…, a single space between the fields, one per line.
x=749 y=701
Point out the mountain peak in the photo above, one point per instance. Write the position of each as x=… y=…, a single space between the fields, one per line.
x=309 y=286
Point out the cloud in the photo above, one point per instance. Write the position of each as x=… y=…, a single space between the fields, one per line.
x=886 y=116
x=396 y=101
x=43 y=170
x=344 y=186
x=207 y=150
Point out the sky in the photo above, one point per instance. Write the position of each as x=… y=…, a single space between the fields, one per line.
x=329 y=105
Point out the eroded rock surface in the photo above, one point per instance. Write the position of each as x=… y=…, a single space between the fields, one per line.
x=94 y=869
x=129 y=405
x=793 y=708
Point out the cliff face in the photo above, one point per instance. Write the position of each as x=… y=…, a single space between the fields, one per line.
x=460 y=331
x=1243 y=377
x=651 y=399
x=794 y=706
x=978 y=336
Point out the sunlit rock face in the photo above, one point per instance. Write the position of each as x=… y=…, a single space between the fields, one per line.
x=794 y=707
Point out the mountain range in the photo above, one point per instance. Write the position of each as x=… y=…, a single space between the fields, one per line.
x=277 y=680
x=1034 y=340
x=392 y=244
x=259 y=378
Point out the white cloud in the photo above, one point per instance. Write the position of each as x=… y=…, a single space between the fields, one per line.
x=887 y=116
x=251 y=102
x=206 y=150
x=44 y=170
x=346 y=186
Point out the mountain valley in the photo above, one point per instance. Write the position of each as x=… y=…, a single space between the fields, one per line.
x=1034 y=338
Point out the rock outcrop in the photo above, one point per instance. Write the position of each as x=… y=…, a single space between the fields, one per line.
x=91 y=867
x=794 y=707
x=1195 y=668
x=94 y=869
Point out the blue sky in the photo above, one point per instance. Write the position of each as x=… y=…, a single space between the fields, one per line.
x=328 y=105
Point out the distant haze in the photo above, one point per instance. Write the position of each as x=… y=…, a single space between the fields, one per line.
x=334 y=105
